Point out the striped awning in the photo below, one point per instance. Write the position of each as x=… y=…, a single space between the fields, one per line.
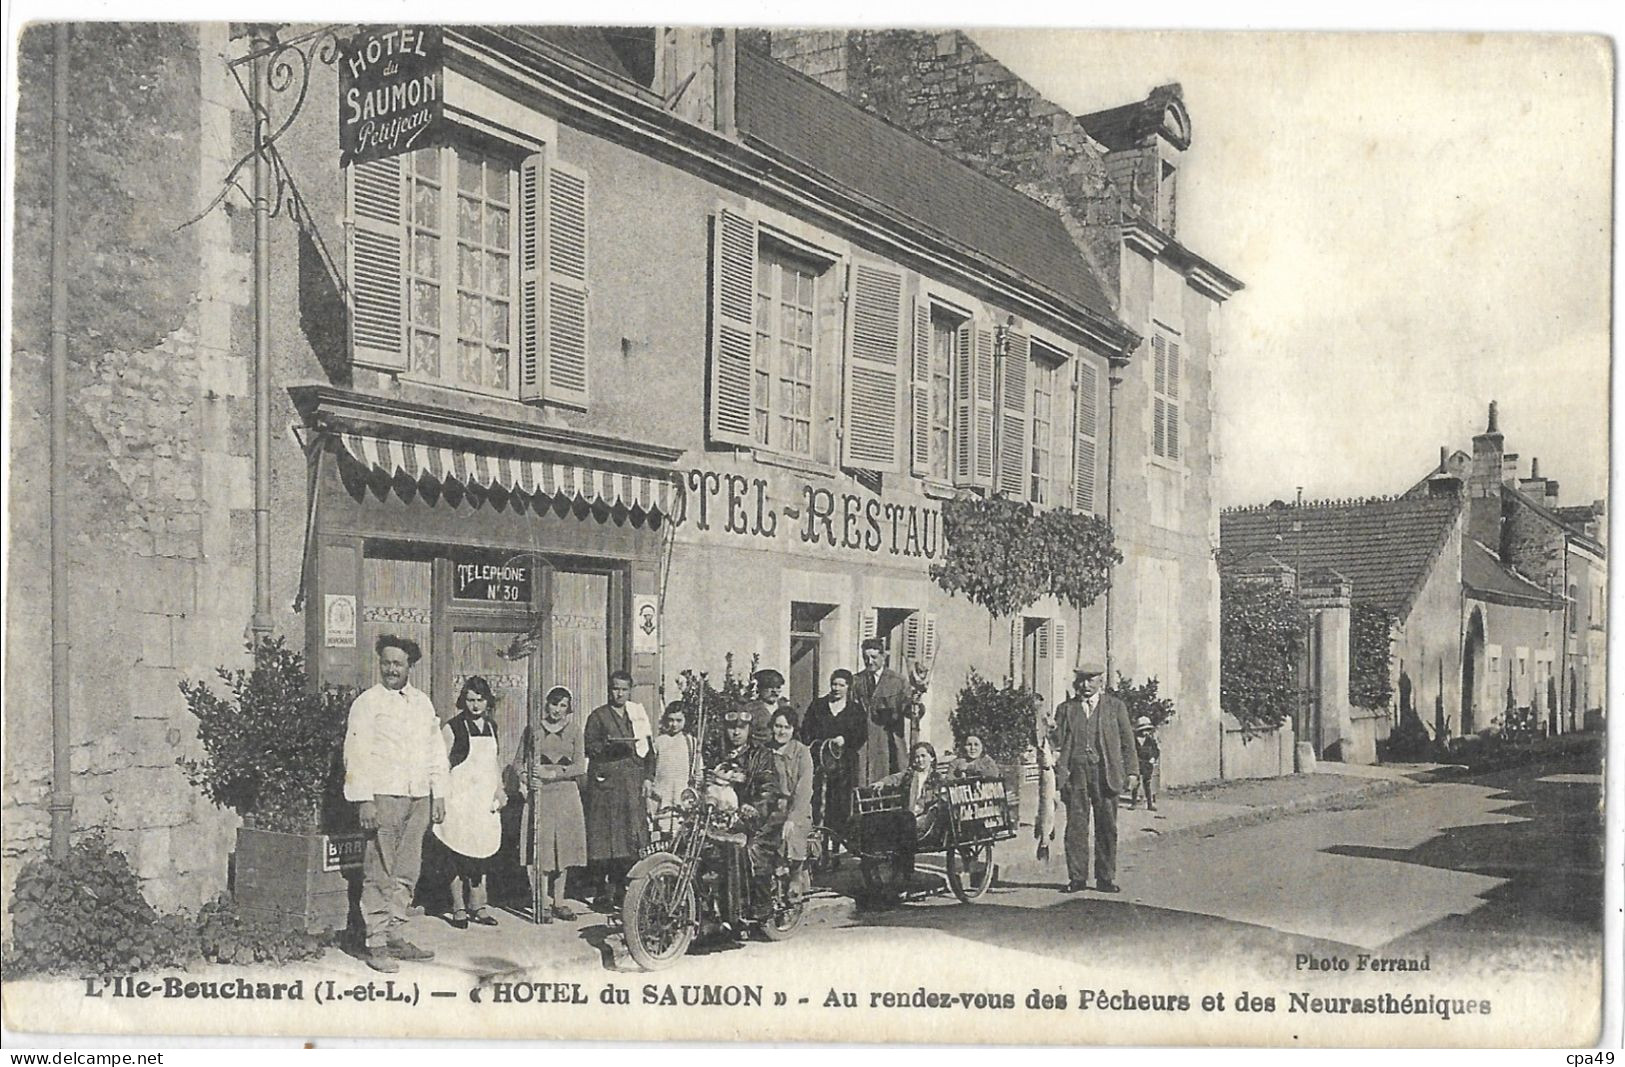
x=533 y=477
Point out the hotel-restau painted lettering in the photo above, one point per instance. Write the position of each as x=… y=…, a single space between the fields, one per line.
x=390 y=92
x=815 y=517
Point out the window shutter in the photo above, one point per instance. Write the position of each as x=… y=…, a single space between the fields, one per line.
x=1159 y=405
x=1058 y=644
x=1171 y=408
x=733 y=328
x=1013 y=455
x=870 y=624
x=920 y=390
x=873 y=368
x=1041 y=639
x=911 y=637
x=564 y=365
x=1088 y=433
x=928 y=640
x=530 y=255
x=964 y=427
x=373 y=265
x=983 y=357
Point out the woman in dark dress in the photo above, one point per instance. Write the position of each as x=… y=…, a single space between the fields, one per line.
x=618 y=743
x=835 y=728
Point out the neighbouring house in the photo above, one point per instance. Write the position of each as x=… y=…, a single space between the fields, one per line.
x=657 y=350
x=1562 y=550
x=1472 y=569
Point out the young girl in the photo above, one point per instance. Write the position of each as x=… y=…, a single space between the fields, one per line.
x=472 y=829
x=974 y=762
x=674 y=758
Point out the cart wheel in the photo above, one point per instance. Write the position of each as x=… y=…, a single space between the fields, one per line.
x=786 y=915
x=885 y=877
x=970 y=871
x=658 y=917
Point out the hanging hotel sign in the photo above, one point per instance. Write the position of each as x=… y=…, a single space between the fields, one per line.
x=391 y=98
x=496 y=583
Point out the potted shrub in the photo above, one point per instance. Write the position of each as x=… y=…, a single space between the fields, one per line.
x=273 y=753
x=1005 y=717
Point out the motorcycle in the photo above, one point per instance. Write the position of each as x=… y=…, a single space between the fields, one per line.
x=696 y=881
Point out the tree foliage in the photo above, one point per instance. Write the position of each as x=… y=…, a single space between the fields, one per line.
x=87 y=916
x=1142 y=700
x=1004 y=716
x=272 y=744
x=700 y=696
x=1003 y=555
x=1261 y=629
x=1370 y=656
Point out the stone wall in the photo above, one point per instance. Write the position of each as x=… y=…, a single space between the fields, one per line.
x=1533 y=545
x=160 y=435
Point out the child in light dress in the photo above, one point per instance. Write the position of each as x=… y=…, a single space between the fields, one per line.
x=674 y=759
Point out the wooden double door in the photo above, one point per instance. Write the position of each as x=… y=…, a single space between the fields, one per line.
x=535 y=626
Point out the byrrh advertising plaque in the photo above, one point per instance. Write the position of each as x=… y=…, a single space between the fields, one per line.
x=693 y=533
x=391 y=92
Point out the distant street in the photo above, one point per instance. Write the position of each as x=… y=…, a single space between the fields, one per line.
x=1507 y=864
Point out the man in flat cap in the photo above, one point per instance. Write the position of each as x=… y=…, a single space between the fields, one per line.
x=1095 y=760
x=769 y=698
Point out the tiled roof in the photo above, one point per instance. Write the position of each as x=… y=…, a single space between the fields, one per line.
x=1487 y=579
x=786 y=111
x=586 y=42
x=1384 y=547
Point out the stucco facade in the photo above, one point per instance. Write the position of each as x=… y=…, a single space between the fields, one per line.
x=1113 y=176
x=525 y=536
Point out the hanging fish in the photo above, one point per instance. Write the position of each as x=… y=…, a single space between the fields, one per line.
x=524 y=644
x=1044 y=821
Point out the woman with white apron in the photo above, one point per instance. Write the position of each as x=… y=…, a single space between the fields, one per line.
x=472 y=829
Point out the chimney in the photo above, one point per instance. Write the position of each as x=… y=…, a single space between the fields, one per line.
x=696 y=75
x=1509 y=468
x=1551 y=492
x=1534 y=485
x=1485 y=479
x=1444 y=481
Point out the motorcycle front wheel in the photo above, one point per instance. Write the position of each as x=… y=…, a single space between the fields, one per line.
x=659 y=915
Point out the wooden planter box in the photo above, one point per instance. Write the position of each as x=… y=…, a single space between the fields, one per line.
x=309 y=880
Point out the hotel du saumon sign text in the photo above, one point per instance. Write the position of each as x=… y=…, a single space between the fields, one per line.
x=797 y=514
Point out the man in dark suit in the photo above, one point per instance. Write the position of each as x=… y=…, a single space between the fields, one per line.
x=884 y=695
x=1095 y=760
